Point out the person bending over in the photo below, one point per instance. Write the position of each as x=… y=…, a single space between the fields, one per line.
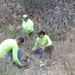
x=11 y=48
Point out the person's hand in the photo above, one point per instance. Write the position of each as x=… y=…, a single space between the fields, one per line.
x=23 y=66
x=20 y=67
x=43 y=48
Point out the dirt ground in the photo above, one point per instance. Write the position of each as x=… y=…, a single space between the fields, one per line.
x=61 y=63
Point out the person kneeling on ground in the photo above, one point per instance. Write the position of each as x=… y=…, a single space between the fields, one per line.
x=27 y=25
x=10 y=47
x=43 y=43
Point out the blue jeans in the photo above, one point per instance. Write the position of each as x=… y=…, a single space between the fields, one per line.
x=19 y=55
x=38 y=52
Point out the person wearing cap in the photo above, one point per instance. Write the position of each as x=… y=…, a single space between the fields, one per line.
x=27 y=25
x=42 y=43
x=10 y=48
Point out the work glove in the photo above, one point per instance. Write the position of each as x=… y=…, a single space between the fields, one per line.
x=23 y=66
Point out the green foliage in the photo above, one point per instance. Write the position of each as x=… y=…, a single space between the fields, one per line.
x=11 y=28
x=11 y=31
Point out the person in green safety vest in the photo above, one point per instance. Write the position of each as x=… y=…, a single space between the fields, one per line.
x=27 y=25
x=43 y=43
x=10 y=47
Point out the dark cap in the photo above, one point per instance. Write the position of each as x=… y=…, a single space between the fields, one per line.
x=41 y=32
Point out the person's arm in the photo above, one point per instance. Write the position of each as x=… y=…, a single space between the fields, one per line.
x=15 y=56
x=49 y=41
x=24 y=25
x=30 y=27
x=48 y=44
x=19 y=27
x=36 y=45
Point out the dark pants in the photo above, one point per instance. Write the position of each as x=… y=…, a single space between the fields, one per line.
x=48 y=50
x=38 y=52
x=31 y=33
x=10 y=55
